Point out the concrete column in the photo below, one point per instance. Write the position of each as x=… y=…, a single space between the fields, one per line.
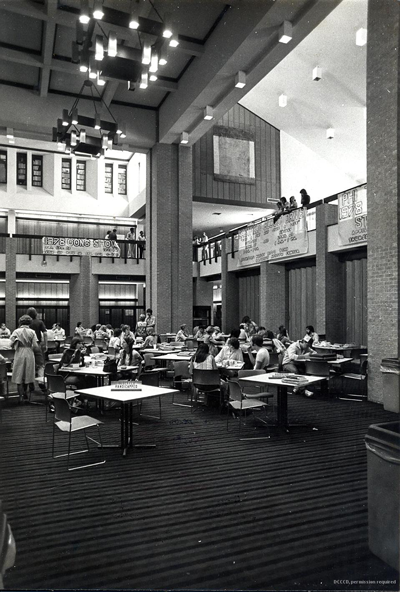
x=84 y=296
x=11 y=284
x=273 y=296
x=330 y=288
x=383 y=188
x=169 y=237
x=230 y=292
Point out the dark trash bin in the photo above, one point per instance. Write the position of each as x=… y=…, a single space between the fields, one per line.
x=383 y=455
x=390 y=368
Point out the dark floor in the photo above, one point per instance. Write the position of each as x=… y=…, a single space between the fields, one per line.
x=201 y=511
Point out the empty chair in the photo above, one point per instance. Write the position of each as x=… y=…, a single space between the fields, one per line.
x=355 y=378
x=207 y=382
x=255 y=391
x=241 y=405
x=182 y=380
x=69 y=424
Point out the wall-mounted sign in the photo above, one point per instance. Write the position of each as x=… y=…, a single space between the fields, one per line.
x=80 y=246
x=352 y=216
x=234 y=159
x=268 y=241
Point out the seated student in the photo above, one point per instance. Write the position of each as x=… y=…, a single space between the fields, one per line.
x=79 y=330
x=230 y=351
x=285 y=204
x=292 y=361
x=243 y=335
x=74 y=355
x=202 y=359
x=217 y=336
x=277 y=345
x=249 y=326
x=311 y=335
x=100 y=332
x=261 y=361
x=198 y=332
x=5 y=343
x=151 y=339
x=4 y=332
x=58 y=332
x=283 y=336
x=115 y=340
x=127 y=342
x=109 y=331
x=182 y=334
x=208 y=340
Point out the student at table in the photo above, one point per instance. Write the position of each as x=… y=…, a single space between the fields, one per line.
x=249 y=326
x=100 y=332
x=208 y=340
x=151 y=339
x=4 y=332
x=202 y=359
x=182 y=334
x=292 y=361
x=127 y=342
x=58 y=332
x=73 y=354
x=79 y=329
x=217 y=336
x=115 y=340
x=283 y=336
x=141 y=327
x=198 y=332
x=311 y=335
x=261 y=360
x=230 y=351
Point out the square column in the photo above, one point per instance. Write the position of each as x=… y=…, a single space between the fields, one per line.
x=274 y=294
x=11 y=284
x=230 y=293
x=169 y=236
x=383 y=189
x=84 y=296
x=330 y=288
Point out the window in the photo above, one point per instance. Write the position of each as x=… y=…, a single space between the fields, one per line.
x=37 y=171
x=66 y=174
x=122 y=176
x=80 y=175
x=3 y=167
x=108 y=178
x=21 y=168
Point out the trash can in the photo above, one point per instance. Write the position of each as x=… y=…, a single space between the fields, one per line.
x=390 y=368
x=383 y=456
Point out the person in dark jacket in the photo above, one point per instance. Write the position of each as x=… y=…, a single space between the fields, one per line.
x=305 y=198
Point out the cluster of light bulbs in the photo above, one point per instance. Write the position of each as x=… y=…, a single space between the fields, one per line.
x=151 y=57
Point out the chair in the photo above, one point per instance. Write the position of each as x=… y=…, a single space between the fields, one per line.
x=4 y=378
x=112 y=352
x=207 y=382
x=361 y=379
x=240 y=404
x=101 y=344
x=87 y=340
x=55 y=384
x=65 y=422
x=191 y=343
x=8 y=354
x=181 y=378
x=67 y=341
x=253 y=391
x=7 y=546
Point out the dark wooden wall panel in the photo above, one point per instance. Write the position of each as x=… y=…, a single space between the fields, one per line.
x=356 y=301
x=249 y=295
x=267 y=162
x=302 y=300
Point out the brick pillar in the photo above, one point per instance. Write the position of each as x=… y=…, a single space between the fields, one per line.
x=230 y=291
x=383 y=187
x=169 y=237
x=273 y=296
x=11 y=284
x=84 y=296
x=330 y=288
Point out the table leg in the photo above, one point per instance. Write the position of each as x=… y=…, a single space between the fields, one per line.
x=282 y=420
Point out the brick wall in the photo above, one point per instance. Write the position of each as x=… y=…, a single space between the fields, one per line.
x=383 y=187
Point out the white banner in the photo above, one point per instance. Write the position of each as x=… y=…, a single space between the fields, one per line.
x=352 y=216
x=267 y=241
x=80 y=246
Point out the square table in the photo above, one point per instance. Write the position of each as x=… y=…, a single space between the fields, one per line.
x=282 y=415
x=127 y=399
x=93 y=371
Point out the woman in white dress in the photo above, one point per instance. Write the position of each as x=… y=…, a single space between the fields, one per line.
x=24 y=340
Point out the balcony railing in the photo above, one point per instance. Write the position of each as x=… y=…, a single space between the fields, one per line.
x=131 y=250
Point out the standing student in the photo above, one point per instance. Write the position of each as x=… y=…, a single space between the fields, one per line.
x=131 y=235
x=142 y=244
x=305 y=198
x=23 y=341
x=150 y=319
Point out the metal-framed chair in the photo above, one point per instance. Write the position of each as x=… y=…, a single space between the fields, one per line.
x=207 y=382
x=4 y=379
x=87 y=340
x=253 y=391
x=361 y=379
x=101 y=344
x=181 y=378
x=67 y=423
x=240 y=405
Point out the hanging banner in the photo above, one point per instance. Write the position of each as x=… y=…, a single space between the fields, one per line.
x=352 y=216
x=268 y=241
x=80 y=246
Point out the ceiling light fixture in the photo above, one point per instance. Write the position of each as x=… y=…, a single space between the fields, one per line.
x=100 y=81
x=82 y=136
x=73 y=138
x=317 y=73
x=154 y=61
x=104 y=141
x=146 y=54
x=240 y=79
x=134 y=18
x=330 y=133
x=144 y=79
x=10 y=133
x=65 y=118
x=208 y=113
x=361 y=37
x=174 y=41
x=84 y=66
x=163 y=58
x=112 y=44
x=184 y=138
x=92 y=68
x=167 y=31
x=153 y=77
x=99 y=55
x=98 y=9
x=282 y=101
x=97 y=122
x=74 y=116
x=285 y=32
x=84 y=16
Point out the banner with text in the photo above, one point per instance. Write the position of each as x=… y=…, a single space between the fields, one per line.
x=268 y=241
x=352 y=216
x=80 y=246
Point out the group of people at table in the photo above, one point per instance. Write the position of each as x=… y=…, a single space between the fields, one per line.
x=214 y=349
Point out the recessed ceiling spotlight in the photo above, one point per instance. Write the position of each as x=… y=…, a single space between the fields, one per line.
x=184 y=138
x=330 y=133
x=282 y=100
x=285 y=32
x=317 y=73
x=240 y=79
x=361 y=37
x=208 y=113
